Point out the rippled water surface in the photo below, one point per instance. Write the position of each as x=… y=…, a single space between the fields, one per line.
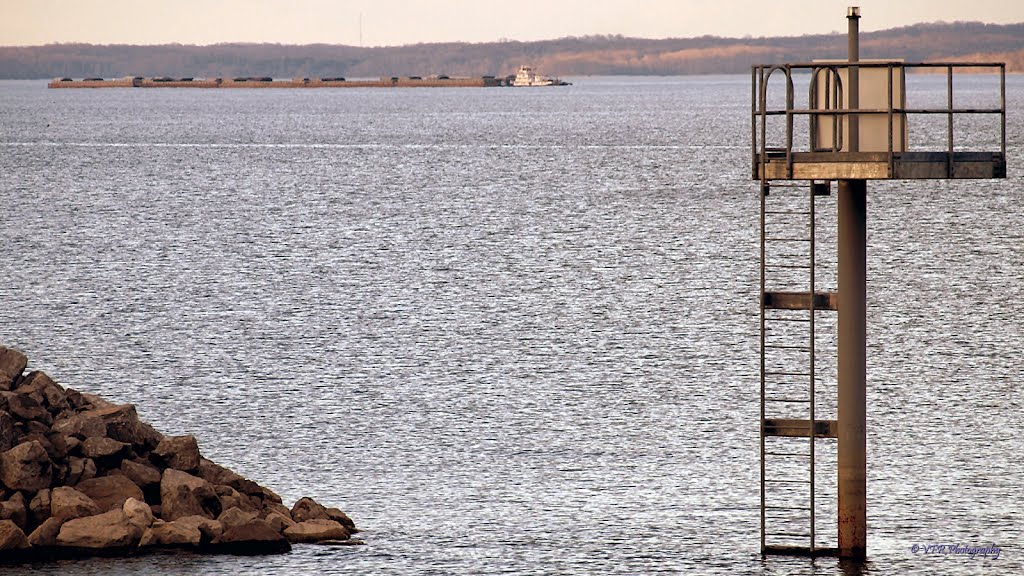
x=508 y=331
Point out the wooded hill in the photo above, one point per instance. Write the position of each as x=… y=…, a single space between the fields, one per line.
x=572 y=56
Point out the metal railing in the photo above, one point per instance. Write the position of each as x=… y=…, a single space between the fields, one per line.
x=833 y=106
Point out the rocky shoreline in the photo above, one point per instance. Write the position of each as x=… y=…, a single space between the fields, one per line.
x=80 y=476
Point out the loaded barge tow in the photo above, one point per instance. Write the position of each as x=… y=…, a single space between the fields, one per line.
x=439 y=81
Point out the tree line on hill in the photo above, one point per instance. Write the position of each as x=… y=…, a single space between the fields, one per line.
x=571 y=56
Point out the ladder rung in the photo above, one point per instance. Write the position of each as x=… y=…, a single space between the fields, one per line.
x=799 y=428
x=780 y=481
x=790 y=534
x=769 y=319
x=787 y=374
x=790 y=400
x=767 y=507
x=787 y=239
x=795 y=454
x=773 y=300
x=787 y=347
x=787 y=213
x=788 y=266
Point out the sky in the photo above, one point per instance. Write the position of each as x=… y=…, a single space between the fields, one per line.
x=395 y=22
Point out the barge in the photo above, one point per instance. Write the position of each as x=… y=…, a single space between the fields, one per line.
x=267 y=82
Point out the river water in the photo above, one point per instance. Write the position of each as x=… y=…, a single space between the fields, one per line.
x=507 y=331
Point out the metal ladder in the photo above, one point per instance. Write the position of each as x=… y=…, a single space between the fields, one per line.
x=789 y=427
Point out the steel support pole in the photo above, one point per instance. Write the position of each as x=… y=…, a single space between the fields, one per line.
x=852 y=401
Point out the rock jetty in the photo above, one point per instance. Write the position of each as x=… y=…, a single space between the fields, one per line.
x=80 y=476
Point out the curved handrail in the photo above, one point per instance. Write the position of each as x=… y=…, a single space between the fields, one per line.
x=836 y=104
x=763 y=105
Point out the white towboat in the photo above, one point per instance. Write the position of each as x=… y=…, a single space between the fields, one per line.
x=527 y=77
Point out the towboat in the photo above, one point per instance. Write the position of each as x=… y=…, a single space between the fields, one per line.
x=527 y=77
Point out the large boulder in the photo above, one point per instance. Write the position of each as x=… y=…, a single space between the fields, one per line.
x=316 y=531
x=219 y=475
x=231 y=498
x=110 y=492
x=101 y=448
x=178 y=452
x=138 y=512
x=254 y=538
x=108 y=530
x=182 y=494
x=279 y=521
x=170 y=534
x=55 y=445
x=12 y=537
x=143 y=474
x=46 y=533
x=8 y=432
x=210 y=529
x=39 y=507
x=309 y=509
x=12 y=364
x=235 y=517
x=123 y=424
x=66 y=503
x=80 y=469
x=43 y=390
x=26 y=467
x=15 y=510
x=81 y=426
x=341 y=518
x=26 y=408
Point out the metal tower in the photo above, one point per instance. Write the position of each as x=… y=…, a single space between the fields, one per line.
x=856 y=120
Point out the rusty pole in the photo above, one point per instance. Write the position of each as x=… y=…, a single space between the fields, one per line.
x=852 y=402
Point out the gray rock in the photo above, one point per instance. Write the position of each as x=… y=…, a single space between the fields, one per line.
x=109 y=492
x=11 y=537
x=46 y=533
x=12 y=364
x=178 y=452
x=108 y=530
x=315 y=531
x=26 y=467
x=182 y=494
x=67 y=503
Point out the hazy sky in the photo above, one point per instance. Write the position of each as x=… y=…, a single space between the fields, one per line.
x=390 y=22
